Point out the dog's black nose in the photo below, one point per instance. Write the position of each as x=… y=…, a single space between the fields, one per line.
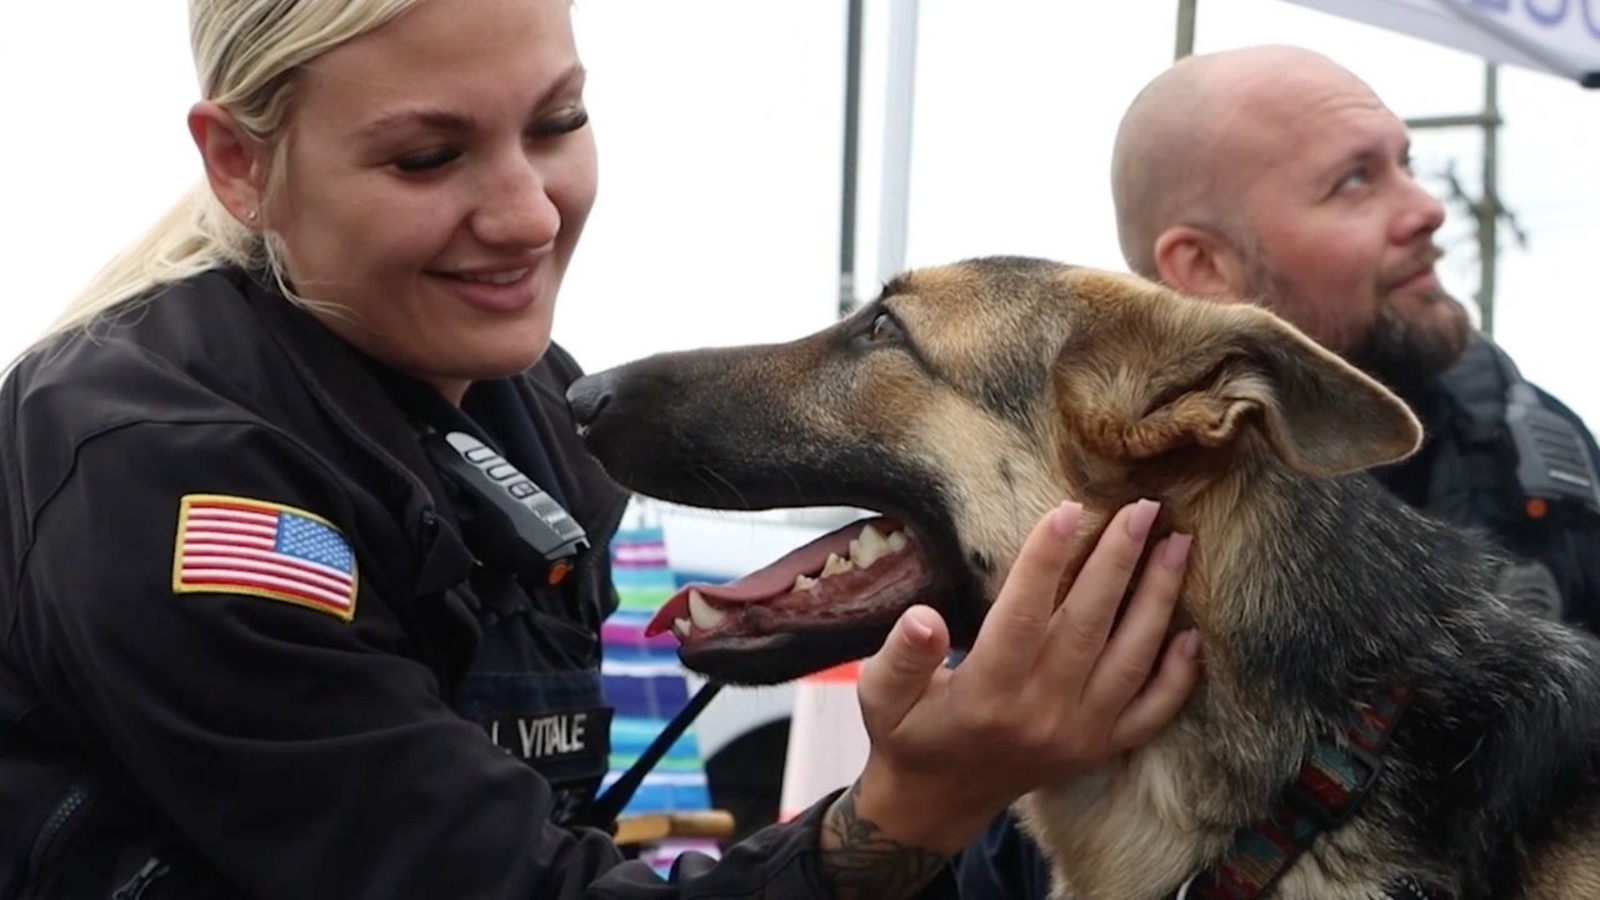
x=588 y=397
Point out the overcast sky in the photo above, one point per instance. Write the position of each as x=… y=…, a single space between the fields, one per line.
x=719 y=131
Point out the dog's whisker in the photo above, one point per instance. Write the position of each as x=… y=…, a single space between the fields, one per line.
x=799 y=491
x=699 y=476
x=738 y=496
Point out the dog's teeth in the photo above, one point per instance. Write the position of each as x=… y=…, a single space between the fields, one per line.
x=869 y=548
x=681 y=628
x=871 y=536
x=897 y=541
x=804 y=582
x=836 y=566
x=704 y=615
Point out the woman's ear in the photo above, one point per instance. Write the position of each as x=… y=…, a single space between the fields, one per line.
x=234 y=161
x=1197 y=262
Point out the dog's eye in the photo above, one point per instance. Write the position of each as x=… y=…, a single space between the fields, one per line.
x=884 y=328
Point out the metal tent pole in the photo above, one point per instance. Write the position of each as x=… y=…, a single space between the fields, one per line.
x=852 y=130
x=1186 y=19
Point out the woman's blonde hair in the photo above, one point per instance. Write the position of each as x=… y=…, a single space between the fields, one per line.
x=247 y=54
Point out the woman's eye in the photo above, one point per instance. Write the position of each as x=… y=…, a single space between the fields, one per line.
x=562 y=125
x=427 y=160
x=884 y=328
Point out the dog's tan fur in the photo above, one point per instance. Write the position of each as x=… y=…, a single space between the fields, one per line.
x=1154 y=803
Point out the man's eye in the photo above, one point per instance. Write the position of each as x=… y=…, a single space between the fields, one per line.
x=884 y=328
x=427 y=160
x=1354 y=179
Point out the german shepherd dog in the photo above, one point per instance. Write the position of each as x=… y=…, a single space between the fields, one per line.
x=967 y=400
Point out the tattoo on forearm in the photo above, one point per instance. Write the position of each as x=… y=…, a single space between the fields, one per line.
x=863 y=864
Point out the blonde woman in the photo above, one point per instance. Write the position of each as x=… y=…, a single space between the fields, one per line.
x=256 y=641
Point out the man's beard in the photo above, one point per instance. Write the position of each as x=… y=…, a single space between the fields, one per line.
x=1407 y=355
x=1404 y=355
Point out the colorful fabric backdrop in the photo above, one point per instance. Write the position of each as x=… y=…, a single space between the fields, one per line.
x=645 y=682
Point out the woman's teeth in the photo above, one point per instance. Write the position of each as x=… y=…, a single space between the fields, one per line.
x=496 y=278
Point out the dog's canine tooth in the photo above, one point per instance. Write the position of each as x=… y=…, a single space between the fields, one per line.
x=869 y=547
x=836 y=566
x=704 y=615
x=682 y=627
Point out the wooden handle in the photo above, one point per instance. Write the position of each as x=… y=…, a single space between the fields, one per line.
x=648 y=828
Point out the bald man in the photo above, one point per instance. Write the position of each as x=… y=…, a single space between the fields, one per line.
x=1272 y=175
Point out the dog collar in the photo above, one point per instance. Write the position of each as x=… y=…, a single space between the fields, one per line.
x=1333 y=781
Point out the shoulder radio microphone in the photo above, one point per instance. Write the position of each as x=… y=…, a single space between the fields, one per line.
x=516 y=521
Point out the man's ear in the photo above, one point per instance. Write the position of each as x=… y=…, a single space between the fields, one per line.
x=1198 y=262
x=234 y=161
x=1214 y=372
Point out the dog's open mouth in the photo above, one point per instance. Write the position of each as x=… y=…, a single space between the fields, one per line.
x=827 y=602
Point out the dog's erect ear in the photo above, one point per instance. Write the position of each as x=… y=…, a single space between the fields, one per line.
x=1219 y=369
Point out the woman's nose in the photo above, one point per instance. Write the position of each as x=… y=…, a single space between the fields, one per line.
x=516 y=209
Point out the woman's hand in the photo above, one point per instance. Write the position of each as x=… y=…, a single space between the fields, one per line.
x=1047 y=692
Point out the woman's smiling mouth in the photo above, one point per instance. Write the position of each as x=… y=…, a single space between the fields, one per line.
x=501 y=290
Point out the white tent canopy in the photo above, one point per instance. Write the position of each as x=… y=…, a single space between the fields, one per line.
x=1561 y=37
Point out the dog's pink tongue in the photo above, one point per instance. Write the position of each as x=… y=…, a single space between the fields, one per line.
x=774 y=580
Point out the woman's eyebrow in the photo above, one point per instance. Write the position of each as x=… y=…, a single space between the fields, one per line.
x=443 y=119
x=436 y=119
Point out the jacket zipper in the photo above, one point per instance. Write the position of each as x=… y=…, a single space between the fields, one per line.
x=590 y=565
x=151 y=872
x=77 y=797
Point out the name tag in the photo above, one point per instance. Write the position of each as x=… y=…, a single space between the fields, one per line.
x=554 y=737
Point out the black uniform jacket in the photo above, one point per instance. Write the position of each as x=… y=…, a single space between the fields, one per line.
x=1466 y=474
x=163 y=732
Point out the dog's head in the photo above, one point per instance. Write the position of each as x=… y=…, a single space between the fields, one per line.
x=962 y=403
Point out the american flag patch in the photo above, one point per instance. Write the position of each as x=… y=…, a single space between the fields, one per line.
x=235 y=545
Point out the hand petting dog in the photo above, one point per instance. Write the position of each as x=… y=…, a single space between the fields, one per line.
x=1046 y=693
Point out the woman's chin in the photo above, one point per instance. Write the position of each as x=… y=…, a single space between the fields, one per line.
x=453 y=377
x=502 y=361
x=495 y=351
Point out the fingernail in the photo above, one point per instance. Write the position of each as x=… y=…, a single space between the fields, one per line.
x=1177 y=552
x=917 y=627
x=1064 y=522
x=1189 y=643
x=1144 y=516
